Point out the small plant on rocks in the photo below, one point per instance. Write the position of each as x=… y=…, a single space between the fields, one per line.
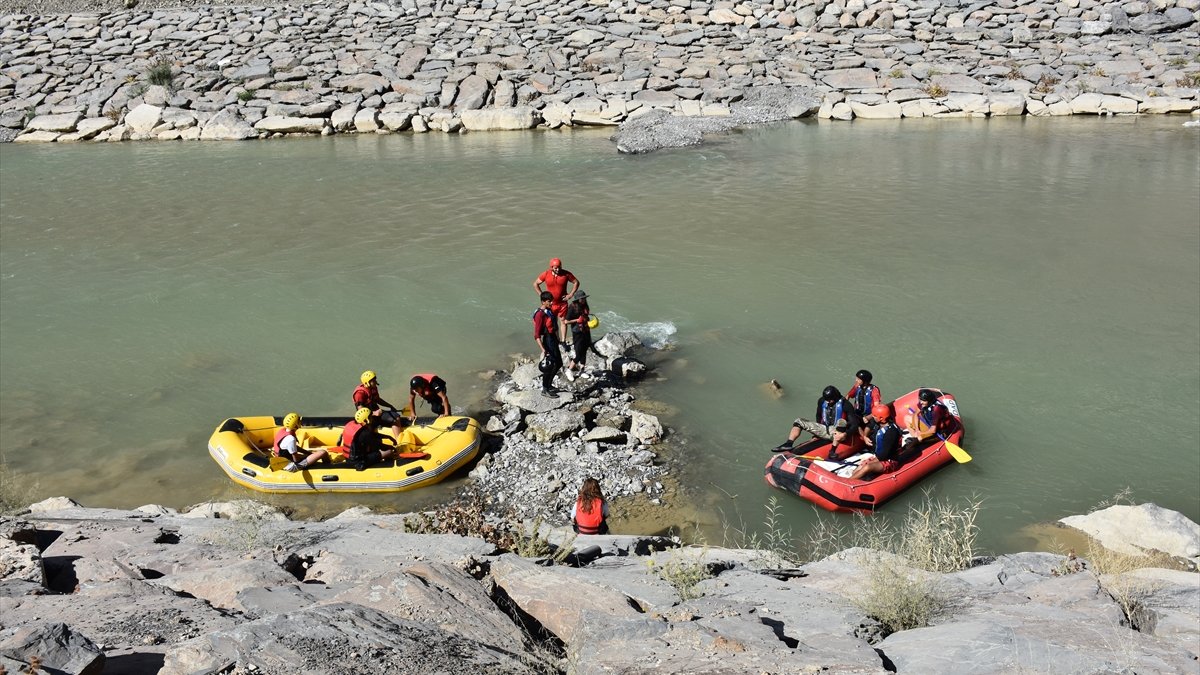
x=935 y=90
x=684 y=572
x=1045 y=84
x=245 y=95
x=161 y=73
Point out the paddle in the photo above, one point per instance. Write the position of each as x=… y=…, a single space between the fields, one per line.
x=956 y=452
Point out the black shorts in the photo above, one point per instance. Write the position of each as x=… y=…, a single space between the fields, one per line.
x=436 y=406
x=390 y=418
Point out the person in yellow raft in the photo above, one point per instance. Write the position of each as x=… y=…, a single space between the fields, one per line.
x=366 y=395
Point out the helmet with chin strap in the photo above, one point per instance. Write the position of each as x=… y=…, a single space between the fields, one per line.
x=831 y=393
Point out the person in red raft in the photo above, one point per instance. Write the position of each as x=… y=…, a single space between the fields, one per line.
x=589 y=514
x=883 y=437
x=557 y=280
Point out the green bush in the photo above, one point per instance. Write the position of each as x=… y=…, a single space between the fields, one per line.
x=161 y=73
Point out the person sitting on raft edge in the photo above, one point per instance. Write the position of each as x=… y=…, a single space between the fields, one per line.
x=832 y=408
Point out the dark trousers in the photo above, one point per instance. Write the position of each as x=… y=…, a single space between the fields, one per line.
x=550 y=344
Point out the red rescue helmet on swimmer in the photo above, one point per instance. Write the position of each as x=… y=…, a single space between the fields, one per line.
x=555 y=262
x=881 y=412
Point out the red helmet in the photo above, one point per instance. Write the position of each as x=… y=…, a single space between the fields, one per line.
x=881 y=411
x=555 y=262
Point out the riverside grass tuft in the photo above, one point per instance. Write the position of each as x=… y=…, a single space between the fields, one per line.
x=934 y=536
x=684 y=570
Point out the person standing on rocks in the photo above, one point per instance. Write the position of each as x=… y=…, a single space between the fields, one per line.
x=431 y=388
x=579 y=317
x=546 y=337
x=589 y=513
x=557 y=280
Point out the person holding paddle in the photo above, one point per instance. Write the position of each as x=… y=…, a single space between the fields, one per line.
x=366 y=395
x=930 y=419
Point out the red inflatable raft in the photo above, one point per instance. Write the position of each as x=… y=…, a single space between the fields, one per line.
x=827 y=484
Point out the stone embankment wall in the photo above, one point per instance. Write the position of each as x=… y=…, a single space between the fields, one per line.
x=252 y=72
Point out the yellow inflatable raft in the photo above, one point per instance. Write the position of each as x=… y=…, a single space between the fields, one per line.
x=429 y=451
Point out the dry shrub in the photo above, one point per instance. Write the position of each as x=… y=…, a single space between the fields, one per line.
x=935 y=535
x=898 y=598
x=774 y=545
x=684 y=571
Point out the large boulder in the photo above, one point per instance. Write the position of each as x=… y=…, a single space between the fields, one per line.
x=61 y=123
x=554 y=425
x=143 y=118
x=539 y=592
x=493 y=119
x=340 y=638
x=1136 y=530
x=55 y=645
x=291 y=125
x=227 y=125
x=1097 y=104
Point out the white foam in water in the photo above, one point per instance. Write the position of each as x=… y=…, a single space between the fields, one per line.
x=654 y=334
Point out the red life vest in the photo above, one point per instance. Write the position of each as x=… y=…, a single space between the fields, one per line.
x=589 y=523
x=366 y=397
x=283 y=433
x=348 y=433
x=426 y=391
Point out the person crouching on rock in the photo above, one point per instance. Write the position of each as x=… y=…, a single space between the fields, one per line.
x=589 y=514
x=545 y=334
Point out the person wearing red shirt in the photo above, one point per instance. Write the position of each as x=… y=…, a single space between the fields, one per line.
x=547 y=341
x=557 y=281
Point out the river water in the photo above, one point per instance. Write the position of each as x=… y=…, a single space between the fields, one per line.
x=1047 y=272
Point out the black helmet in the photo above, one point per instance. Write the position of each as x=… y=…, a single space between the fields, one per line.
x=417 y=382
x=545 y=364
x=864 y=375
x=831 y=393
x=928 y=396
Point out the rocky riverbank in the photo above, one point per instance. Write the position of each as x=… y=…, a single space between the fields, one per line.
x=545 y=446
x=239 y=588
x=220 y=72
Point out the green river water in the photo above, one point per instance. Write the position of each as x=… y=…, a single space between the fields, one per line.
x=1046 y=272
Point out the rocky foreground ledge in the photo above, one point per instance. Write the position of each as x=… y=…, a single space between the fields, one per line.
x=219 y=72
x=238 y=588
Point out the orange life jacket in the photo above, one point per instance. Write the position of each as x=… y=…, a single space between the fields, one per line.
x=589 y=523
